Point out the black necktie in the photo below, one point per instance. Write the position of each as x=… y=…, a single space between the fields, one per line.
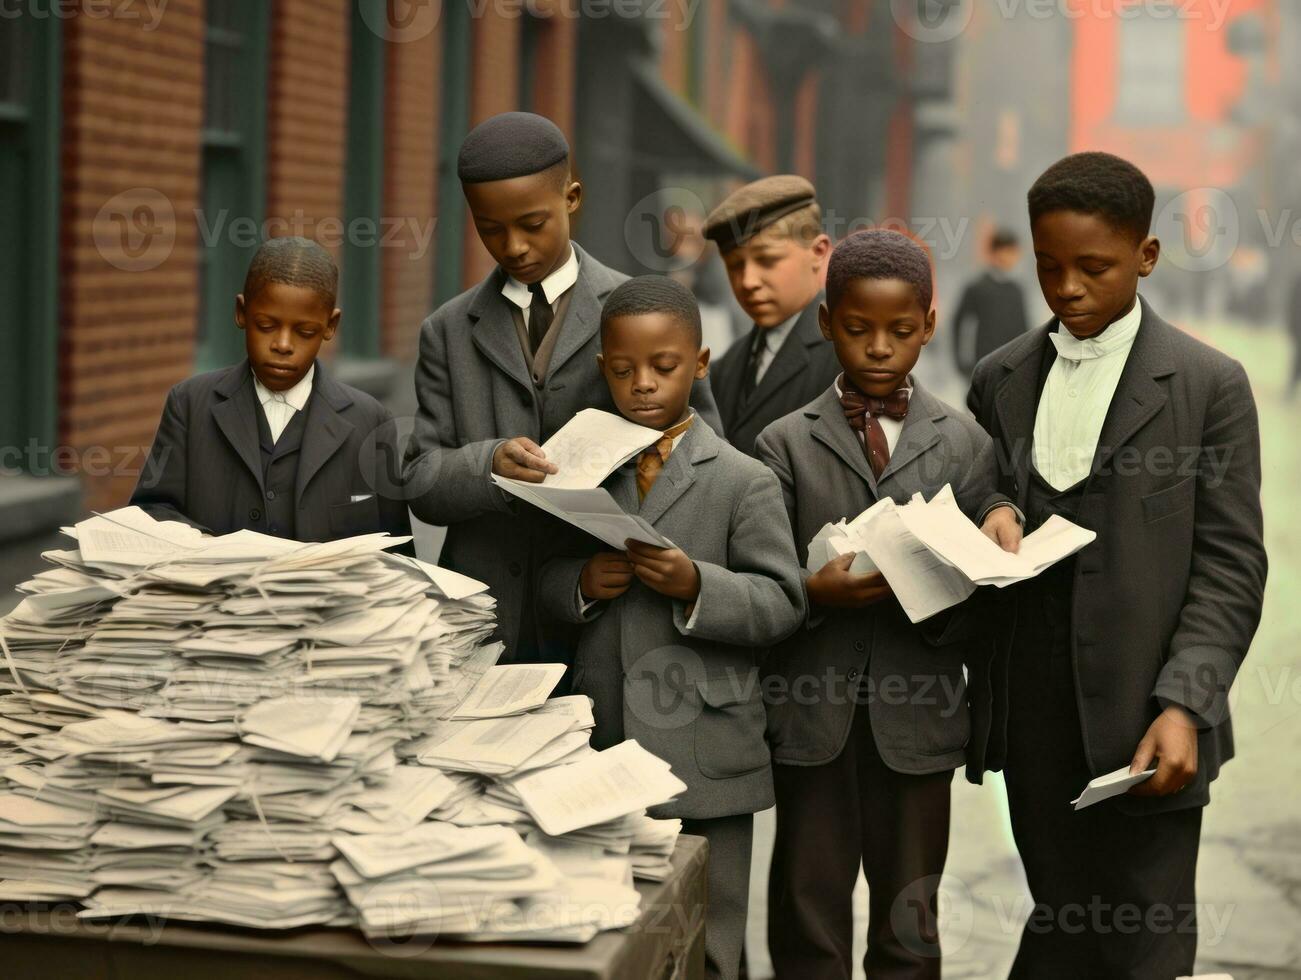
x=758 y=344
x=540 y=316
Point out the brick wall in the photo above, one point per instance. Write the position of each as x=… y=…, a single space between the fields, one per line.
x=494 y=82
x=410 y=184
x=307 y=117
x=132 y=108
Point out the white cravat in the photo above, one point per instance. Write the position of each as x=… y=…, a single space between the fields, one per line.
x=1076 y=396
x=553 y=286
x=891 y=427
x=772 y=339
x=279 y=406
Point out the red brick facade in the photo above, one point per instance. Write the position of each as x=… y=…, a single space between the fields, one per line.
x=132 y=108
x=133 y=104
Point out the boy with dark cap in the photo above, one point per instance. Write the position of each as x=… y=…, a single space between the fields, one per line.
x=507 y=363
x=770 y=235
x=1122 y=656
x=868 y=713
x=671 y=638
x=274 y=444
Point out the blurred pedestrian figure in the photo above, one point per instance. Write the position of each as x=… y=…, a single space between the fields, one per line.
x=991 y=311
x=1294 y=329
x=700 y=269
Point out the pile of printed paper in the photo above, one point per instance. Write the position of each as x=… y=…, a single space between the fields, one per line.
x=232 y=728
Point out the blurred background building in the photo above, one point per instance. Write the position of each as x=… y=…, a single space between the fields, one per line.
x=147 y=146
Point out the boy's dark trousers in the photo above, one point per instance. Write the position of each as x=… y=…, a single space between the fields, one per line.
x=831 y=818
x=1114 y=894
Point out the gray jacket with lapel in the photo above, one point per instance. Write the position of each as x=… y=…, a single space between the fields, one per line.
x=205 y=466
x=692 y=697
x=1167 y=598
x=475 y=392
x=915 y=688
x=800 y=370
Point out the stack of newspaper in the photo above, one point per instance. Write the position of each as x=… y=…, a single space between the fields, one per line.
x=231 y=728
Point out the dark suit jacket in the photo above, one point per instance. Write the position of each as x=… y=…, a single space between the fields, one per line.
x=917 y=697
x=1167 y=598
x=799 y=372
x=205 y=466
x=475 y=392
x=995 y=309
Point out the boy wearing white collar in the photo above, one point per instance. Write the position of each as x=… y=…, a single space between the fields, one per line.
x=1124 y=654
x=274 y=444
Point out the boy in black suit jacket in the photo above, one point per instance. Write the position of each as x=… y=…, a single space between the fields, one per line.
x=771 y=239
x=274 y=444
x=1122 y=656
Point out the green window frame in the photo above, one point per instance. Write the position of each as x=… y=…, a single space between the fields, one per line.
x=454 y=123
x=233 y=190
x=360 y=276
x=31 y=71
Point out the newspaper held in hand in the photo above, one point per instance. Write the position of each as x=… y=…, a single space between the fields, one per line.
x=591 y=446
x=934 y=557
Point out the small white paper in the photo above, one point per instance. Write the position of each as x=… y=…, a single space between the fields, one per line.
x=1112 y=784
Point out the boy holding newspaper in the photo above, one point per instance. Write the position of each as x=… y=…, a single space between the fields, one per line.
x=868 y=712
x=671 y=637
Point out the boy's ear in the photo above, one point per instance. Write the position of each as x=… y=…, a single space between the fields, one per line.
x=573 y=196
x=333 y=325
x=824 y=321
x=702 y=363
x=240 y=315
x=1149 y=252
x=600 y=363
x=821 y=249
x=928 y=331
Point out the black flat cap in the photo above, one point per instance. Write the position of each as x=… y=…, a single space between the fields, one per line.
x=511 y=144
x=750 y=209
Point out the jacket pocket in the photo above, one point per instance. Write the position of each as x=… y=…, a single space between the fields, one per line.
x=1169 y=501
x=358 y=517
x=729 y=738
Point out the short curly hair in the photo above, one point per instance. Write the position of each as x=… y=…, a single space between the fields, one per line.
x=879 y=254
x=653 y=294
x=293 y=261
x=1096 y=183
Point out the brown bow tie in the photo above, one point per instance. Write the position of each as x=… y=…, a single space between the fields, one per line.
x=861 y=412
x=652 y=460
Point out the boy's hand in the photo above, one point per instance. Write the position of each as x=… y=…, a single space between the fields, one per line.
x=835 y=585
x=1002 y=527
x=1172 y=741
x=666 y=570
x=607 y=575
x=522 y=459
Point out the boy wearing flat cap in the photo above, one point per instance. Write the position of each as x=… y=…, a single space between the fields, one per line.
x=506 y=364
x=770 y=235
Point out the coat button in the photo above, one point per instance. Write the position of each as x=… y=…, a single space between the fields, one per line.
x=255 y=514
x=271 y=495
x=853 y=675
x=858 y=645
x=515 y=568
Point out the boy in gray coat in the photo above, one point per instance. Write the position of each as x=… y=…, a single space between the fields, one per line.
x=868 y=712
x=672 y=637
